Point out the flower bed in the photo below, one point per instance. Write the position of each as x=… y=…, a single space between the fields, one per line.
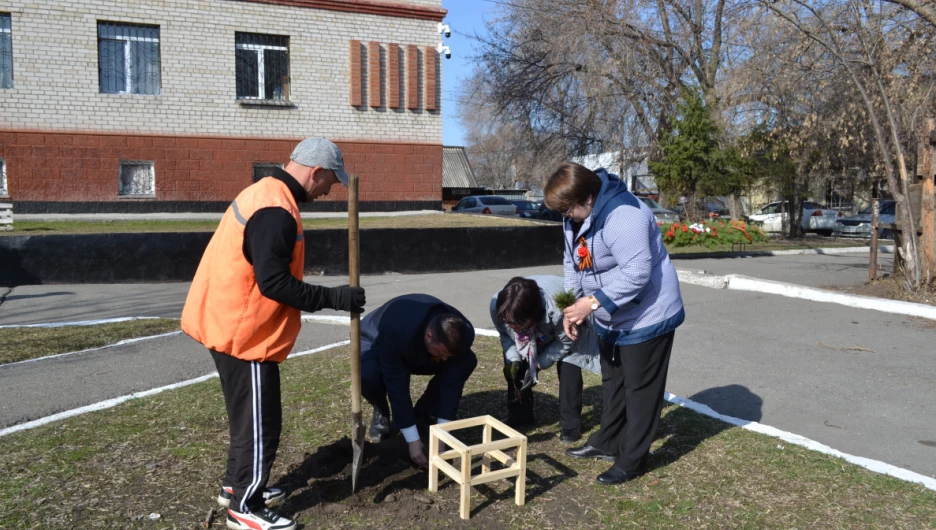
x=711 y=234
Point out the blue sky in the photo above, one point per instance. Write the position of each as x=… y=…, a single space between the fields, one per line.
x=465 y=17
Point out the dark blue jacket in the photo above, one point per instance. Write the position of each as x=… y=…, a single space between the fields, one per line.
x=394 y=333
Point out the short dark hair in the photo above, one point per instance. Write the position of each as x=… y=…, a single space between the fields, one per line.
x=452 y=331
x=520 y=303
x=570 y=184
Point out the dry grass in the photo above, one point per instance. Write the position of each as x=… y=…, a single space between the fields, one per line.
x=165 y=454
x=22 y=228
x=22 y=343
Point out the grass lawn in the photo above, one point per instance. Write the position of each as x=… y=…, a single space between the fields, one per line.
x=22 y=228
x=165 y=455
x=22 y=343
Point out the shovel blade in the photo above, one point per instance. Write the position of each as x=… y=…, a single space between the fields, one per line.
x=357 y=444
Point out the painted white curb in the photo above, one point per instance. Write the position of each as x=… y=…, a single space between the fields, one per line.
x=118 y=343
x=738 y=282
x=795 y=439
x=110 y=403
x=81 y=322
x=882 y=249
x=867 y=463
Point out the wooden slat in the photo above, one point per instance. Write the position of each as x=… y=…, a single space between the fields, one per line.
x=465 y=507
x=502 y=458
x=503 y=428
x=448 y=469
x=447 y=438
x=465 y=423
x=506 y=443
x=520 y=488
x=494 y=475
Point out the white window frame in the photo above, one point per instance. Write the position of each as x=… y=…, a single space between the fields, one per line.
x=4 y=192
x=149 y=193
x=127 y=57
x=261 y=92
x=10 y=31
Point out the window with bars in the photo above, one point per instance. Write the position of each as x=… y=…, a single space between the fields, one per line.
x=3 y=182
x=264 y=169
x=6 y=50
x=128 y=58
x=262 y=66
x=137 y=179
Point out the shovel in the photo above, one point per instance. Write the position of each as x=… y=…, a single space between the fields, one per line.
x=354 y=271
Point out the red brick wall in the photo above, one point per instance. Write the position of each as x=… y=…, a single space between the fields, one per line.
x=50 y=166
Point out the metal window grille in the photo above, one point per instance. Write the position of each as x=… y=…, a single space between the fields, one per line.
x=6 y=50
x=264 y=169
x=136 y=178
x=262 y=66
x=128 y=59
x=3 y=181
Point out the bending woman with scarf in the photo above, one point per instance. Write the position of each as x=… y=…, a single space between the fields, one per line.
x=616 y=264
x=531 y=333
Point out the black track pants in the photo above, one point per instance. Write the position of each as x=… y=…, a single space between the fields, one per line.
x=252 y=398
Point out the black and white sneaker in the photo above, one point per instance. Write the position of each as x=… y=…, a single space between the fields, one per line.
x=271 y=496
x=265 y=519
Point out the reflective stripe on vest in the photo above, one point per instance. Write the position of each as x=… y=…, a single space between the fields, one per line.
x=224 y=309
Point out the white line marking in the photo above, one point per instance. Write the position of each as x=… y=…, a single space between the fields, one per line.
x=79 y=323
x=110 y=403
x=872 y=465
x=795 y=439
x=118 y=343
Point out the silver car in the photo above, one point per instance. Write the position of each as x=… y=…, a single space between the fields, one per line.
x=662 y=214
x=486 y=204
x=860 y=225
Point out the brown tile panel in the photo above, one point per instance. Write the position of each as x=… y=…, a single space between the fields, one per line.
x=354 y=70
x=374 y=87
x=429 y=74
x=412 y=77
x=393 y=76
x=77 y=167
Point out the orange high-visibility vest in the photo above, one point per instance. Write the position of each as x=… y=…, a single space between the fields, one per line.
x=224 y=309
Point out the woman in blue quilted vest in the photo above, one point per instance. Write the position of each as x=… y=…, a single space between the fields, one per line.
x=616 y=264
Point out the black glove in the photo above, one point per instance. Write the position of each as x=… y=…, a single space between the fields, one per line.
x=346 y=298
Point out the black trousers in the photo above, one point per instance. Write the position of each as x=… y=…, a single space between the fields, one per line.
x=520 y=411
x=255 y=418
x=633 y=379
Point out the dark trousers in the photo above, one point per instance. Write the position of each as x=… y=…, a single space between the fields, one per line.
x=633 y=379
x=255 y=417
x=374 y=390
x=520 y=405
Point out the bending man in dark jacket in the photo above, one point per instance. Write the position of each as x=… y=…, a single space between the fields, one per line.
x=414 y=334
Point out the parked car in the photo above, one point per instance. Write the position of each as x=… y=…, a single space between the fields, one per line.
x=710 y=207
x=816 y=218
x=548 y=215
x=860 y=225
x=486 y=204
x=662 y=214
x=527 y=209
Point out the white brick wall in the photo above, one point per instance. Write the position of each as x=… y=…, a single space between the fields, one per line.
x=55 y=59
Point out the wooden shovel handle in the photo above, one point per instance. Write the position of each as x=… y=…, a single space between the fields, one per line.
x=354 y=272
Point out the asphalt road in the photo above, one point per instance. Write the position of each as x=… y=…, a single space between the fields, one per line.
x=856 y=380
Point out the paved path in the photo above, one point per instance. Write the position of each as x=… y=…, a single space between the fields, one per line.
x=831 y=270
x=783 y=362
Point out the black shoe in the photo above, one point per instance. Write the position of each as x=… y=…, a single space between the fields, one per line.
x=616 y=475
x=570 y=436
x=587 y=451
x=380 y=427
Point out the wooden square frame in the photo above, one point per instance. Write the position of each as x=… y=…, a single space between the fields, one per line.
x=487 y=449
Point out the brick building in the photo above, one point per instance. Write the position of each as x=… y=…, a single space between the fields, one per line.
x=177 y=105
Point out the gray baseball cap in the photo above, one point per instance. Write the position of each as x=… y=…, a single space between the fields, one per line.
x=320 y=152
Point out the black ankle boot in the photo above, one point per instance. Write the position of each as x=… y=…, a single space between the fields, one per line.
x=380 y=427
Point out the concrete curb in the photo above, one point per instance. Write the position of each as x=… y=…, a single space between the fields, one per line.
x=740 y=282
x=883 y=249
